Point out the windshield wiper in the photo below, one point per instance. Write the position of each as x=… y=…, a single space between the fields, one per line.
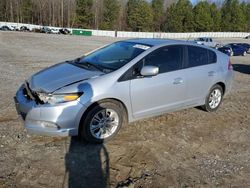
x=93 y=65
x=87 y=65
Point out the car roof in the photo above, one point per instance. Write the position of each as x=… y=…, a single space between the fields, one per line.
x=156 y=42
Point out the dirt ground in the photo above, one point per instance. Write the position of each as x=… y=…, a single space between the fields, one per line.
x=190 y=148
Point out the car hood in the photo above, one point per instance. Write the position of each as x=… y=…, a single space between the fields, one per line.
x=59 y=76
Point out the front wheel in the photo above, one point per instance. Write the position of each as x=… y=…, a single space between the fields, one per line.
x=213 y=99
x=103 y=122
x=244 y=53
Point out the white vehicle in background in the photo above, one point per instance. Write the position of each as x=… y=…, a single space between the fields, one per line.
x=54 y=31
x=207 y=41
x=13 y=28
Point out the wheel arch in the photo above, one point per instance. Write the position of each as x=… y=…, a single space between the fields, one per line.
x=98 y=102
x=223 y=85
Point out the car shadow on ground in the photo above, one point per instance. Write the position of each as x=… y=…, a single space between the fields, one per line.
x=87 y=165
x=245 y=69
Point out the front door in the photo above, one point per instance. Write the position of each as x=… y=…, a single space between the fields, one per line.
x=165 y=91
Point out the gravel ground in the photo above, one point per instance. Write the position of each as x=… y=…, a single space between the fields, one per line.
x=189 y=148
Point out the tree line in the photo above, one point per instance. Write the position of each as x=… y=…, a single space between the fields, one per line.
x=131 y=15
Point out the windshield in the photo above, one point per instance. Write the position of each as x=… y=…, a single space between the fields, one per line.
x=114 y=56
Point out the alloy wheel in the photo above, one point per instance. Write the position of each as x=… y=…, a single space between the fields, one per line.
x=104 y=123
x=215 y=98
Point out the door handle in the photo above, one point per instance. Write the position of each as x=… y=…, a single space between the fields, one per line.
x=178 y=81
x=211 y=73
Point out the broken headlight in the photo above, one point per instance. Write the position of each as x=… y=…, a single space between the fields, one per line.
x=58 y=98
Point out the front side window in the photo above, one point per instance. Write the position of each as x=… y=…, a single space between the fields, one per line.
x=115 y=55
x=167 y=58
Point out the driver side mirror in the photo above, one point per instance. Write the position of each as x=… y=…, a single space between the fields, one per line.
x=149 y=70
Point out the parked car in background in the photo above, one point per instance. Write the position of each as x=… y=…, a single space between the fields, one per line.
x=237 y=49
x=247 y=37
x=94 y=95
x=207 y=41
x=226 y=50
x=24 y=28
x=246 y=45
x=54 y=31
x=45 y=30
x=5 y=28
x=13 y=28
x=64 y=31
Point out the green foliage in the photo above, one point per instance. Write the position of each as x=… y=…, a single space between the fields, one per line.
x=232 y=16
x=202 y=17
x=111 y=13
x=180 y=17
x=216 y=16
x=246 y=11
x=84 y=14
x=158 y=13
x=26 y=9
x=247 y=14
x=140 y=15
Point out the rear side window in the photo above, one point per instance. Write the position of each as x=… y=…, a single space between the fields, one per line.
x=212 y=58
x=167 y=58
x=197 y=56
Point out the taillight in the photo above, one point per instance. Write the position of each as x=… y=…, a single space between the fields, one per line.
x=230 y=66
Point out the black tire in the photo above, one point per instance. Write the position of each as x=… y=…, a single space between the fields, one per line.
x=85 y=132
x=207 y=106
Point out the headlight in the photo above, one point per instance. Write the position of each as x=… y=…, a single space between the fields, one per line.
x=58 y=98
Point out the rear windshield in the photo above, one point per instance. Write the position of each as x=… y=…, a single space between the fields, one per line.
x=115 y=55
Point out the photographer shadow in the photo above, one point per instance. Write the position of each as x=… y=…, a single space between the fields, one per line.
x=87 y=165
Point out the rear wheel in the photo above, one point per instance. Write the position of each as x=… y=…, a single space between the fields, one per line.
x=244 y=53
x=103 y=122
x=213 y=99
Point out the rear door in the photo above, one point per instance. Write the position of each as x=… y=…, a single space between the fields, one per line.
x=201 y=73
x=163 y=92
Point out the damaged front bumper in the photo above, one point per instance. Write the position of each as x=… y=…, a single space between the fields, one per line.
x=59 y=120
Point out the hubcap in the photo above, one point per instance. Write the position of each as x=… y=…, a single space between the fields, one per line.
x=215 y=98
x=104 y=123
